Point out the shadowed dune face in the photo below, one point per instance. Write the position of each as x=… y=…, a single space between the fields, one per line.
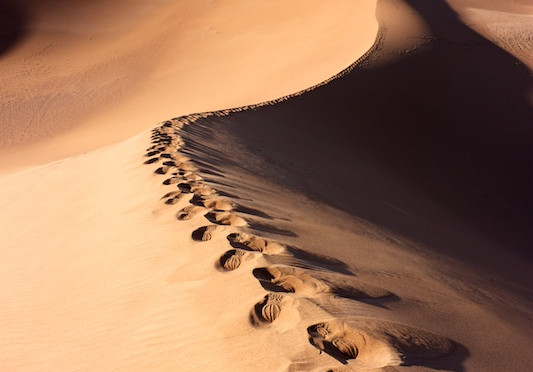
x=415 y=142
x=12 y=25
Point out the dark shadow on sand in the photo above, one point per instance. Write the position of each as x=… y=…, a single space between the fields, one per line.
x=13 y=25
x=449 y=121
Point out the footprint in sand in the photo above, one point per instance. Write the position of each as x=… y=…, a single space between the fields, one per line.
x=186 y=166
x=256 y=244
x=218 y=205
x=185 y=187
x=155 y=148
x=199 y=200
x=162 y=170
x=373 y=344
x=281 y=278
x=170 y=163
x=204 y=233
x=189 y=212
x=171 y=194
x=175 y=199
x=286 y=279
x=152 y=153
x=201 y=189
x=232 y=259
x=172 y=180
x=173 y=155
x=172 y=197
x=191 y=177
x=162 y=140
x=151 y=161
x=267 y=310
x=226 y=218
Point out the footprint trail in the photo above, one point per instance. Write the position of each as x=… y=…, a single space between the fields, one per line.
x=291 y=274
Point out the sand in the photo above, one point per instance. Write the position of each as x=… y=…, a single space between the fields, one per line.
x=127 y=64
x=374 y=222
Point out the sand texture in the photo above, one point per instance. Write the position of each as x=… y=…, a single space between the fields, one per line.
x=305 y=190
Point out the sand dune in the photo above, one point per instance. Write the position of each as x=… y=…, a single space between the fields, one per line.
x=374 y=222
x=84 y=74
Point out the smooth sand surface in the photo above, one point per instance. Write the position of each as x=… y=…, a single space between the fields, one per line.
x=83 y=74
x=378 y=222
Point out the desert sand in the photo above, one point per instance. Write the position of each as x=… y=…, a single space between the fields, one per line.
x=241 y=186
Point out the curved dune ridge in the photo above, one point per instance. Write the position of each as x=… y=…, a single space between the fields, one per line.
x=376 y=221
x=100 y=72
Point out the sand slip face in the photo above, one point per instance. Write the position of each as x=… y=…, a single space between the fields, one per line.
x=373 y=304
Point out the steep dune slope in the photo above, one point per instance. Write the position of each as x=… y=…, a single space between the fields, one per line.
x=430 y=135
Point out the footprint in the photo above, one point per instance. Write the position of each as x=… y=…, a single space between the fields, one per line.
x=174 y=199
x=186 y=166
x=152 y=160
x=199 y=200
x=267 y=310
x=203 y=190
x=232 y=259
x=257 y=244
x=204 y=233
x=189 y=212
x=162 y=170
x=171 y=194
x=218 y=205
x=226 y=218
x=161 y=140
x=185 y=187
x=312 y=282
x=172 y=180
x=285 y=279
x=372 y=344
x=155 y=148
x=192 y=177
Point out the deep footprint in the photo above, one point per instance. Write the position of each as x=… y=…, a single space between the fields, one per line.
x=226 y=218
x=282 y=278
x=189 y=212
x=372 y=344
x=267 y=310
x=204 y=233
x=256 y=244
x=232 y=259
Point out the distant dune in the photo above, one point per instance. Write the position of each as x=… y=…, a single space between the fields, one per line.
x=305 y=190
x=82 y=74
